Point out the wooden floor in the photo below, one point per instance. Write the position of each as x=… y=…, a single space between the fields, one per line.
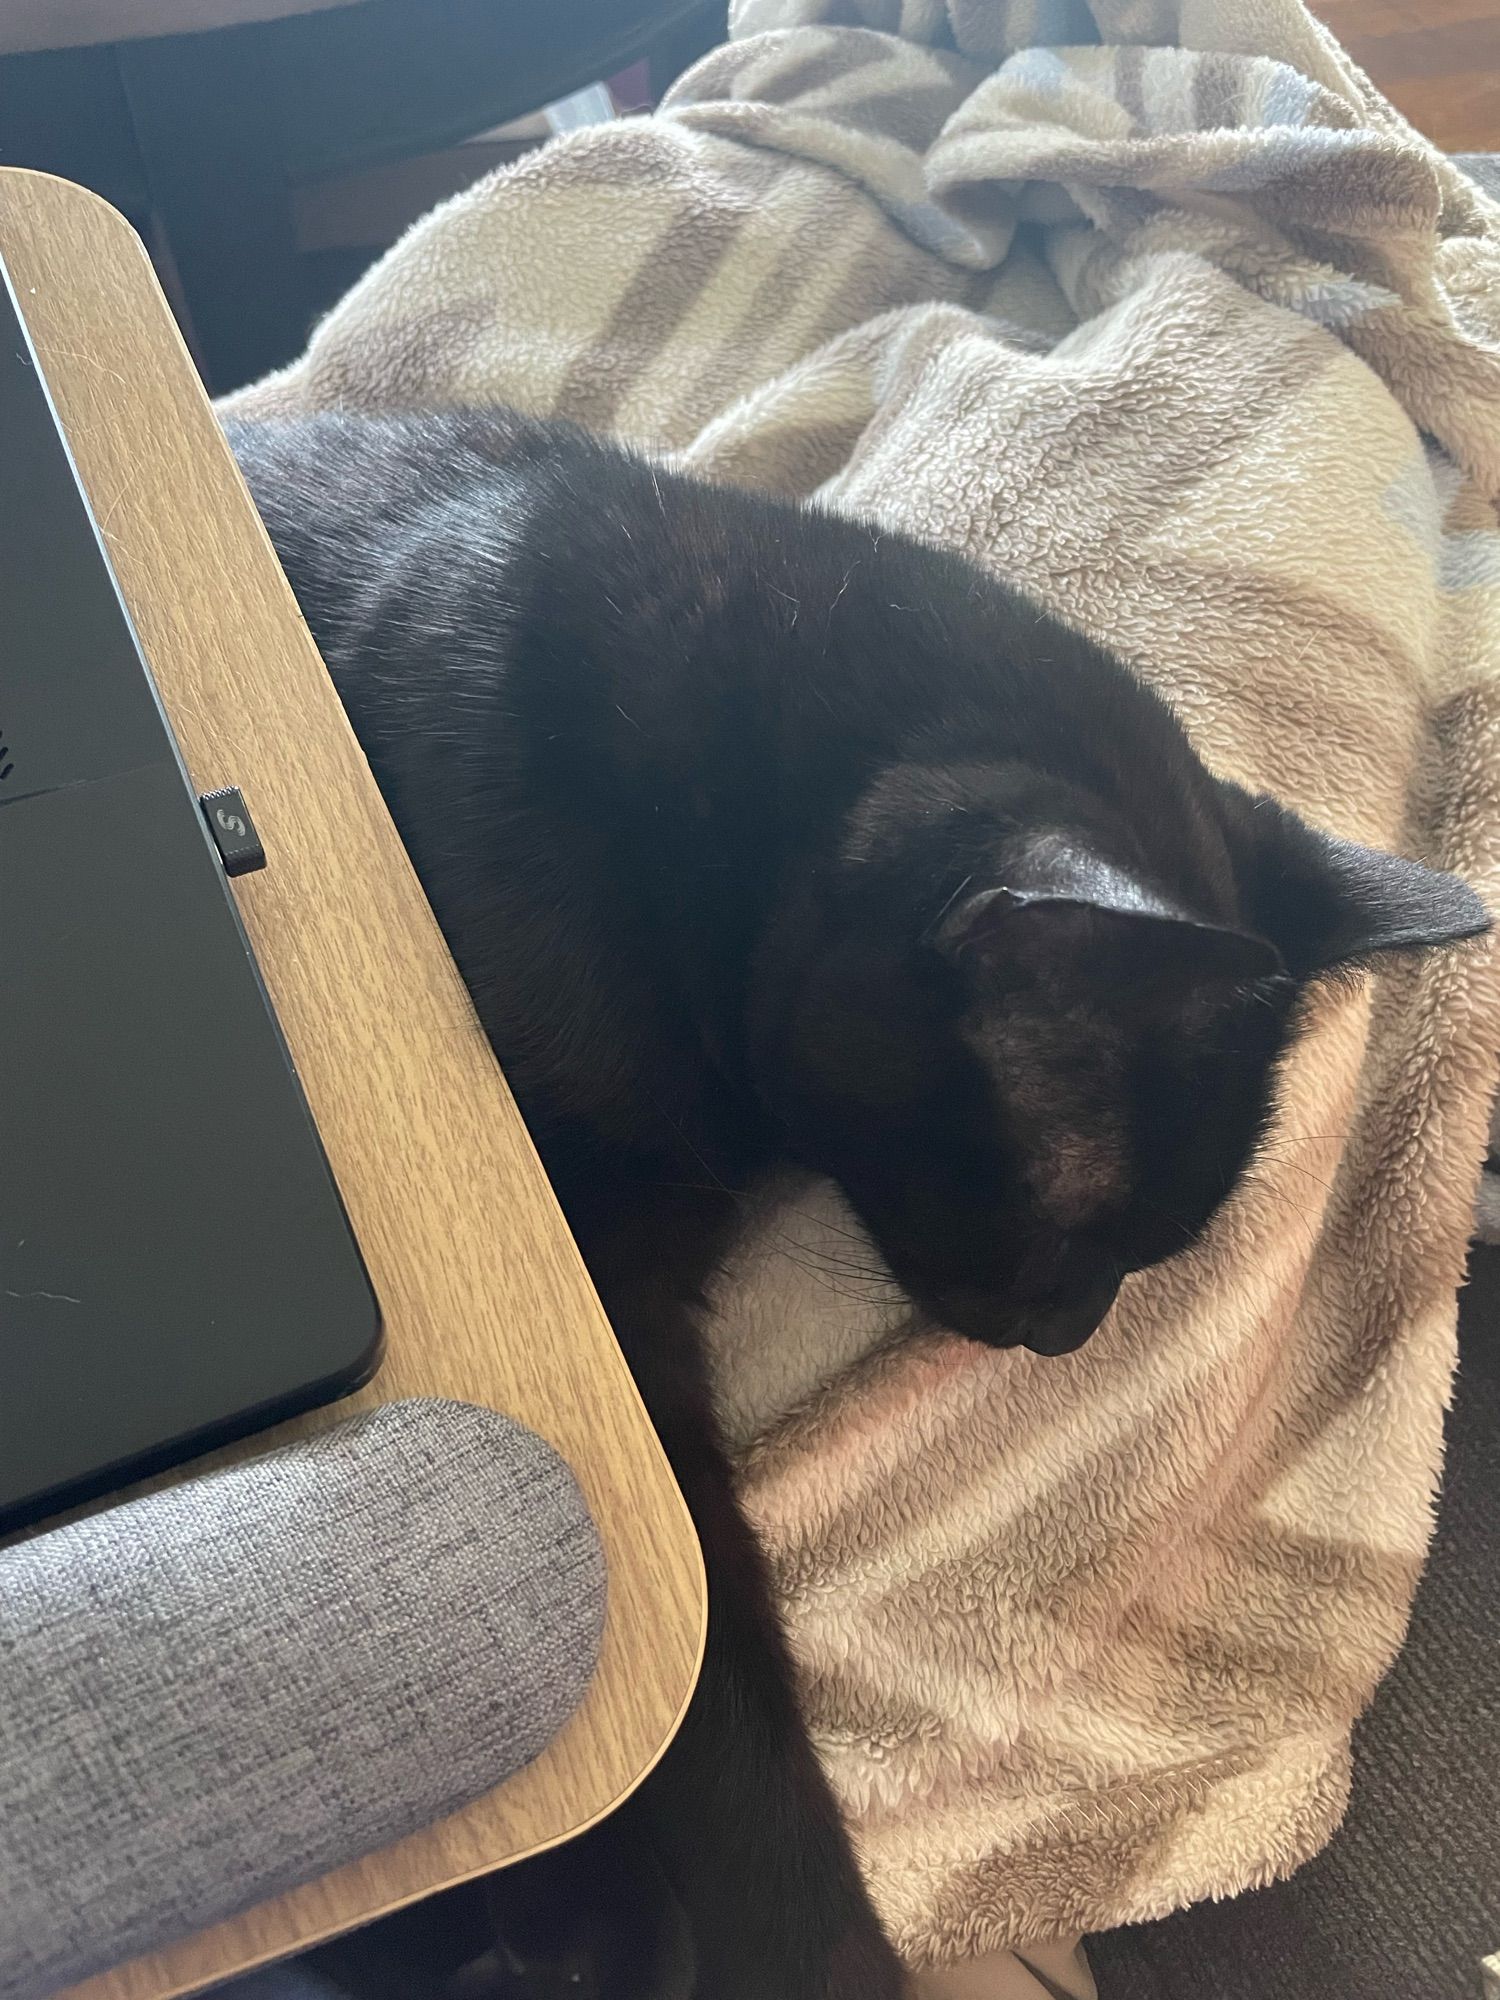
x=1438 y=61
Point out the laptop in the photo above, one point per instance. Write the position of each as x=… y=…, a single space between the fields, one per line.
x=176 y=1266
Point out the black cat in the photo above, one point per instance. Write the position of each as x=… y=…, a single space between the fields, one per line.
x=761 y=836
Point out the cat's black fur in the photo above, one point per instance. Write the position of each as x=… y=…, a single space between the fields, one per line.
x=763 y=836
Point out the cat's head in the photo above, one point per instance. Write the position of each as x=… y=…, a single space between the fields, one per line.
x=1031 y=1025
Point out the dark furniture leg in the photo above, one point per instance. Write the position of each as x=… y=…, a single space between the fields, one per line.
x=209 y=146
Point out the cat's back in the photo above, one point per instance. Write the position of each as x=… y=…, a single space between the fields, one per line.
x=372 y=505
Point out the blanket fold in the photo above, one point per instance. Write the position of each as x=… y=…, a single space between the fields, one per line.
x=1155 y=307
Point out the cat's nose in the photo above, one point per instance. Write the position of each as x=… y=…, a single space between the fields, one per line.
x=1055 y=1324
x=1088 y=1287
x=1061 y=1329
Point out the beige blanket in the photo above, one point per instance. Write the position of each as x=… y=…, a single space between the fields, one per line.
x=1156 y=307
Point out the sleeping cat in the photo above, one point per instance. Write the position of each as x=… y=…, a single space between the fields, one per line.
x=762 y=836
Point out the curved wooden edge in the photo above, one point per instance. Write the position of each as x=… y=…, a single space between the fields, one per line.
x=483 y=1291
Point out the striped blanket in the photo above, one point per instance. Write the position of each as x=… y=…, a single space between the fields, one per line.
x=1156 y=307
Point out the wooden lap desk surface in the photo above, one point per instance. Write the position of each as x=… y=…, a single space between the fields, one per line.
x=483 y=1292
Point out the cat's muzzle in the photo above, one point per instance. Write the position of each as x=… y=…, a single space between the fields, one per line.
x=1056 y=1324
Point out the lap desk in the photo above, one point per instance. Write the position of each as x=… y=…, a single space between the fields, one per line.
x=430 y=1516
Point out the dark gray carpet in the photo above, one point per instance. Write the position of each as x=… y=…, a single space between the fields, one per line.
x=1406 y=1900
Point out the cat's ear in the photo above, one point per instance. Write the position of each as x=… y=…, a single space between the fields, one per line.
x=1331 y=903
x=1063 y=902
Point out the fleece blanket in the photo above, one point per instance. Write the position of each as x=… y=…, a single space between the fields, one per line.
x=1156 y=307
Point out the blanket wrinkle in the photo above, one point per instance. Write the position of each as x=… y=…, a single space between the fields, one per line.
x=1157 y=308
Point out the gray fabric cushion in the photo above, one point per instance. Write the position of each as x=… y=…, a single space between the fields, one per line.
x=214 y=1693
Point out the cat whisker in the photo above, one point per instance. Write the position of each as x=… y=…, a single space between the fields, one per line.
x=1187 y=1235
x=862 y=1288
x=862 y=1273
x=1271 y=1155
x=848 y=574
x=855 y=1235
x=1292 y=1167
x=700 y=1187
x=720 y=1186
x=1264 y=1185
x=850 y=1295
x=947 y=906
x=876 y=1274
